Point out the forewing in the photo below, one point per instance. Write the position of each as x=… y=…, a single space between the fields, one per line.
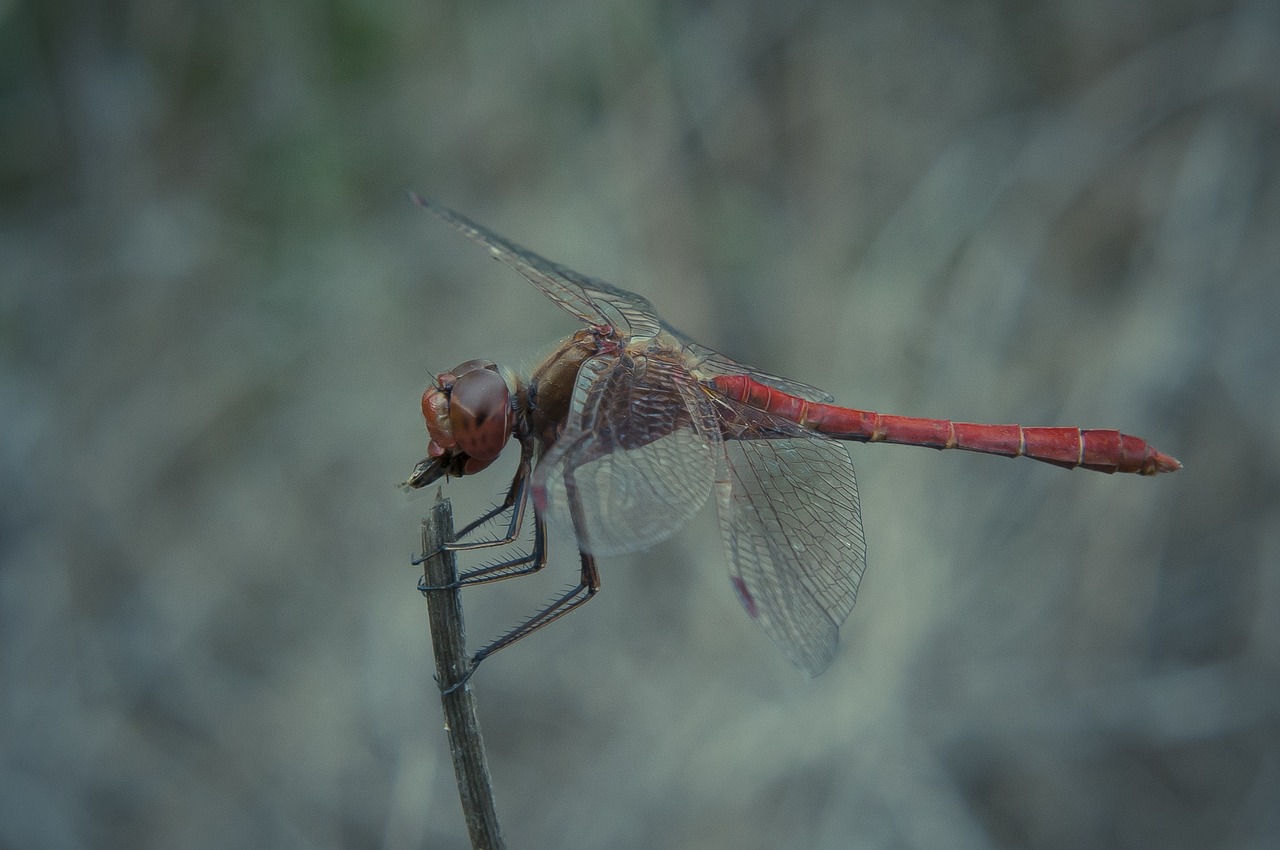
x=710 y=363
x=638 y=456
x=792 y=529
x=593 y=301
x=598 y=303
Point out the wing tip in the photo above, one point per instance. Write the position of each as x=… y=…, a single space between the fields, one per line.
x=421 y=200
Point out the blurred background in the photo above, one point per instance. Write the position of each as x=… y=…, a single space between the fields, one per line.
x=218 y=311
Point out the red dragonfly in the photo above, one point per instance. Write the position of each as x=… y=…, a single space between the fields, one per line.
x=629 y=426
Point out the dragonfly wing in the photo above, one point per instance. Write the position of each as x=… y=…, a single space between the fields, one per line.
x=712 y=363
x=709 y=363
x=598 y=303
x=792 y=529
x=637 y=458
x=593 y=301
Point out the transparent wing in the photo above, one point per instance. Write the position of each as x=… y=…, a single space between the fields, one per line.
x=637 y=458
x=597 y=302
x=792 y=529
x=710 y=363
x=593 y=301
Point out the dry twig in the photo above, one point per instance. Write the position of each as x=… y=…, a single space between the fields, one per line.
x=448 y=640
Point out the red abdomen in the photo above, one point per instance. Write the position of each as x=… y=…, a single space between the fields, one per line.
x=1098 y=449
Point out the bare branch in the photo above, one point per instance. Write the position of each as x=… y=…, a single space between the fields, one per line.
x=448 y=641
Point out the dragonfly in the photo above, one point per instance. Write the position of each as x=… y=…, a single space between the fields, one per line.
x=628 y=427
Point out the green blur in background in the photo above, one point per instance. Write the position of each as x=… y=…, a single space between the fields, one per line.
x=218 y=310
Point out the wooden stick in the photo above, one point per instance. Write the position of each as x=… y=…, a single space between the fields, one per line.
x=448 y=641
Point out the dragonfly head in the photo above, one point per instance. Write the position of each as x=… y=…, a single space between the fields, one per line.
x=469 y=417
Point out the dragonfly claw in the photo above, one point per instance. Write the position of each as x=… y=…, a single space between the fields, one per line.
x=466 y=677
x=419 y=560
x=425 y=588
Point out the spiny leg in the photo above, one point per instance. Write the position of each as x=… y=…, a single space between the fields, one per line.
x=516 y=501
x=585 y=589
x=588 y=584
x=520 y=565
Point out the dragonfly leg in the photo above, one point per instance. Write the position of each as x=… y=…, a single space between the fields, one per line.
x=521 y=565
x=574 y=597
x=516 y=501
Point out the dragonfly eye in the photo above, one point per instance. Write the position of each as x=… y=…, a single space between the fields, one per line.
x=448 y=379
x=480 y=415
x=435 y=410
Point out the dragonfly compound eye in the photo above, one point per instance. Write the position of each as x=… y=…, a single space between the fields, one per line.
x=480 y=413
x=470 y=366
x=435 y=410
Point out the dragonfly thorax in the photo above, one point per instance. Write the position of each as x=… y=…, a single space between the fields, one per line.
x=468 y=413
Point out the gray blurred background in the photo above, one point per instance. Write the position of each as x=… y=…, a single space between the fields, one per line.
x=218 y=311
